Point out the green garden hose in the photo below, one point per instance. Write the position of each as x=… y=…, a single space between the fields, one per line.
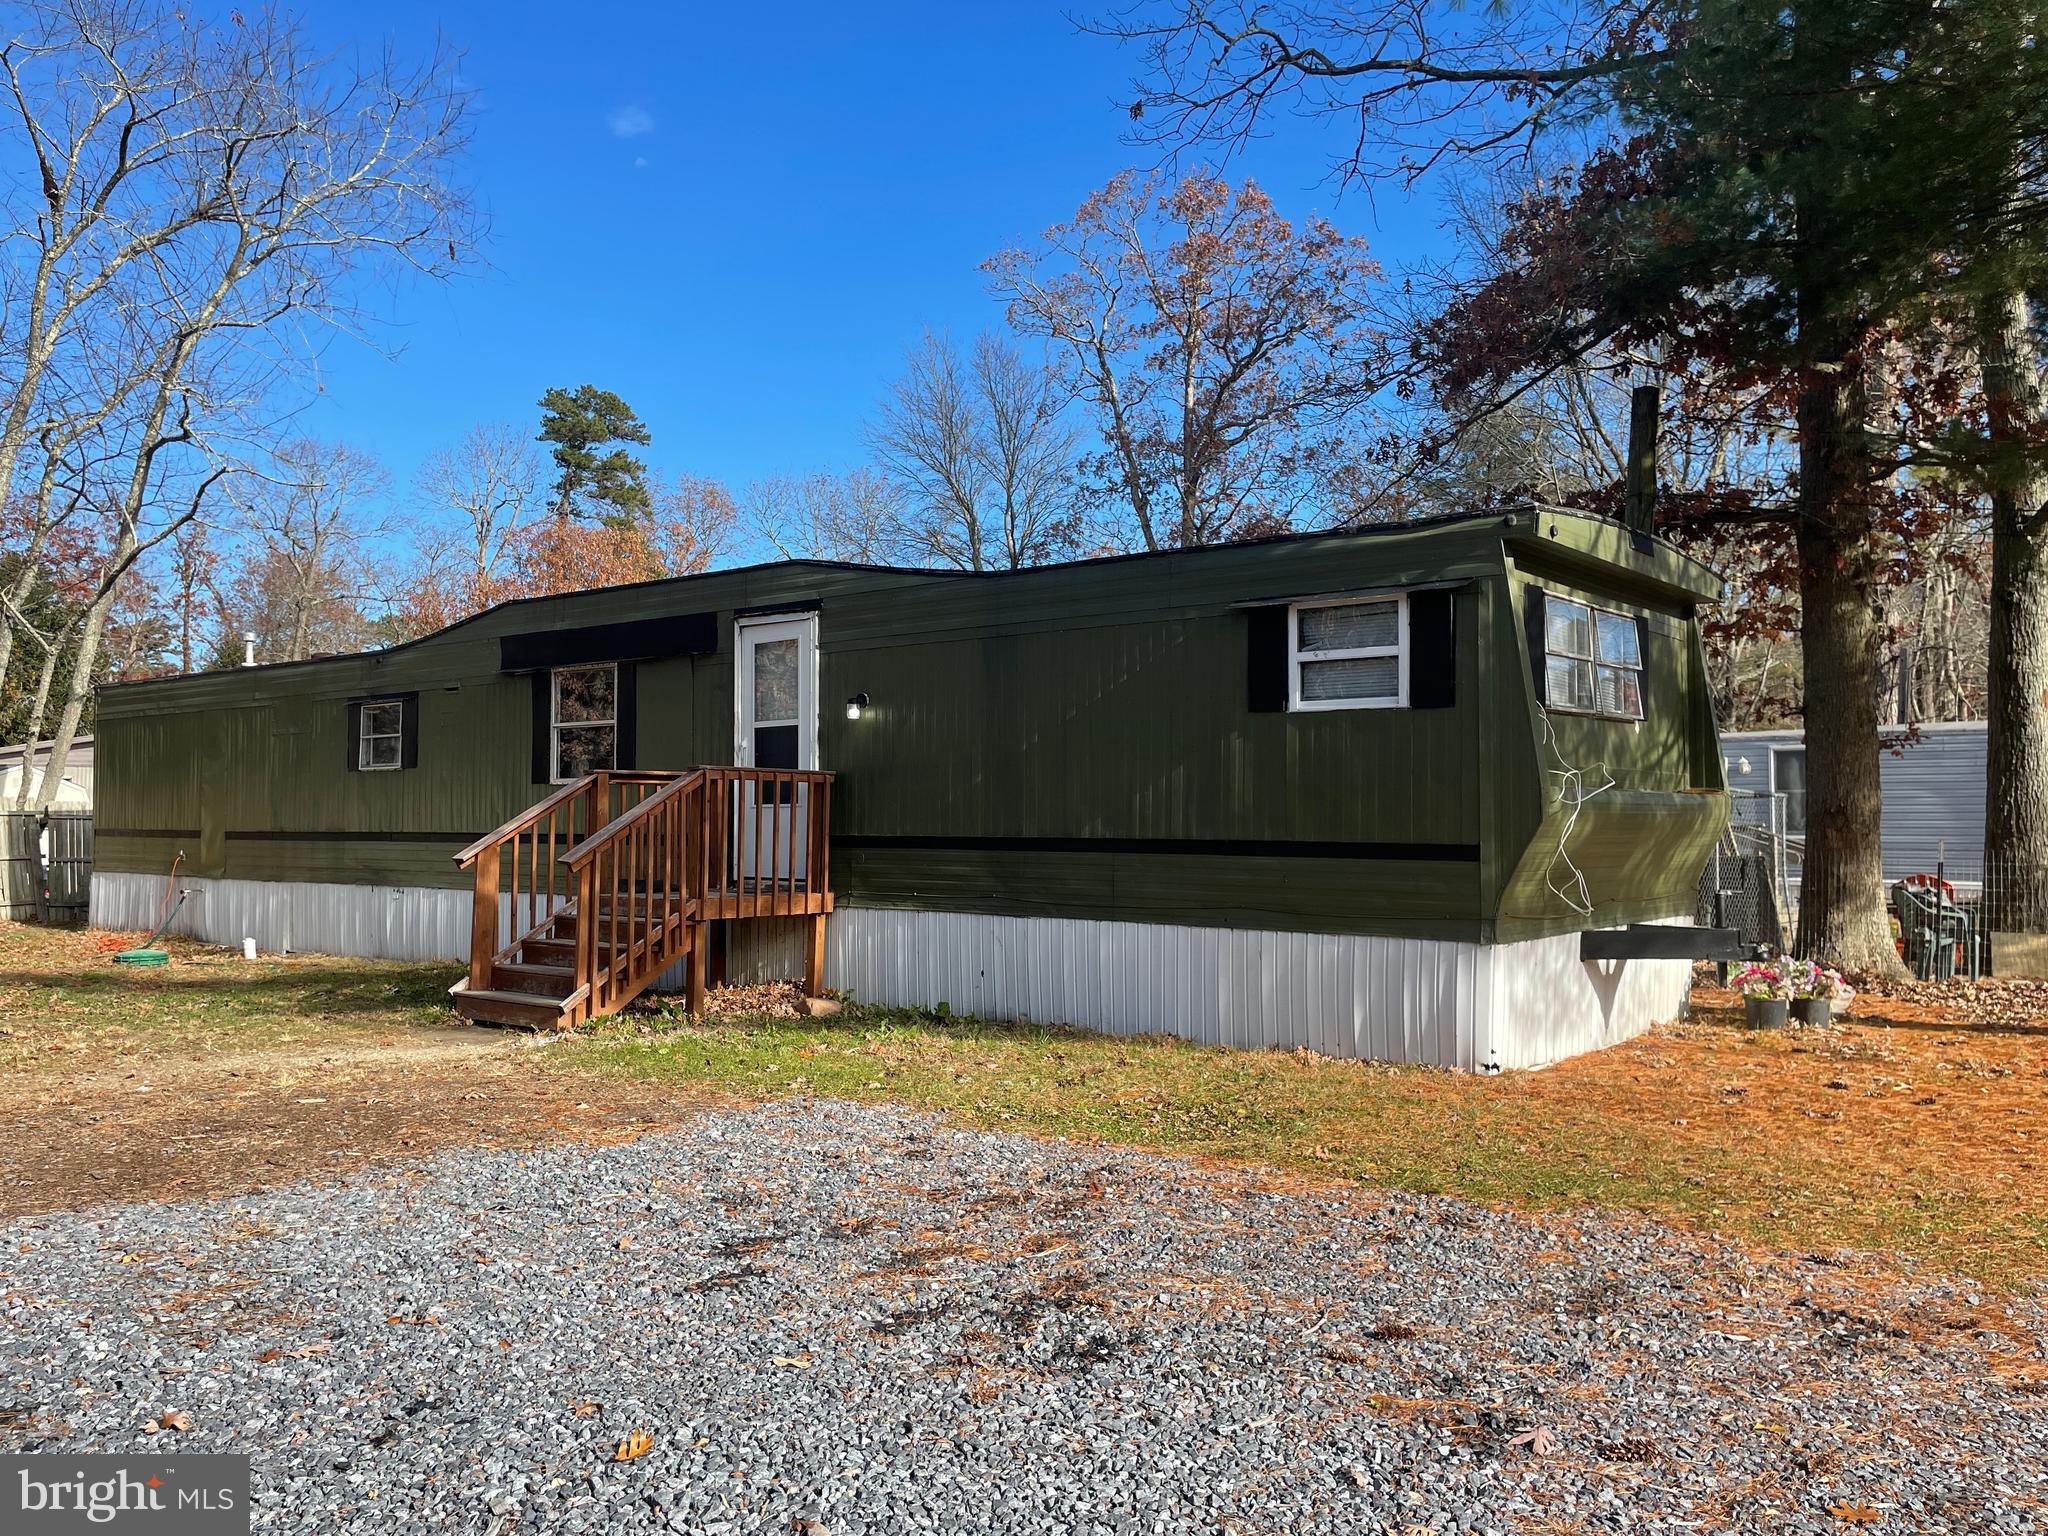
x=146 y=953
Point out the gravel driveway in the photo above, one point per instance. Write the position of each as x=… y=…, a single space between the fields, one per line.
x=858 y=1317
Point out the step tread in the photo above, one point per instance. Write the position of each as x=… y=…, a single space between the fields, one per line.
x=520 y=999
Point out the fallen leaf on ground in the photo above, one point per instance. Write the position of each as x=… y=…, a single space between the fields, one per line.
x=1854 y=1514
x=1542 y=1439
x=634 y=1446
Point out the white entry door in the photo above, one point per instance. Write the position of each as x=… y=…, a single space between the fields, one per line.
x=777 y=696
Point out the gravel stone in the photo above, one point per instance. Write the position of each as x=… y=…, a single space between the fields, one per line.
x=859 y=1320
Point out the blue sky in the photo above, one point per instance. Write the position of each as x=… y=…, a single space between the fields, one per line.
x=739 y=225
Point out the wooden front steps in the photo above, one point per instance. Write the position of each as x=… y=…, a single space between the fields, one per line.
x=651 y=858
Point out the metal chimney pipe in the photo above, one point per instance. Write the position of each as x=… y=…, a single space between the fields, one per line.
x=248 y=647
x=1639 y=482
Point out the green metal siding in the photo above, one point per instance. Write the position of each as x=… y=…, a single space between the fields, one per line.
x=1099 y=701
x=1639 y=845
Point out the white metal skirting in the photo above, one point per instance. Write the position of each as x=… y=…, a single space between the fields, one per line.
x=1447 y=1003
x=1442 y=1002
x=388 y=922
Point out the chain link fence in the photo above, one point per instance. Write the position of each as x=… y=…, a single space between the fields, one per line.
x=1743 y=885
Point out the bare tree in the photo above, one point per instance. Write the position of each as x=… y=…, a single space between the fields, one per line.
x=985 y=460
x=209 y=197
x=108 y=103
x=479 y=499
x=856 y=516
x=1222 y=351
x=313 y=517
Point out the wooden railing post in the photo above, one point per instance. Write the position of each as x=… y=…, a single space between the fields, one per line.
x=693 y=997
x=483 y=920
x=586 y=935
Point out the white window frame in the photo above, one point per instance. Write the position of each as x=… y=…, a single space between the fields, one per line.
x=1641 y=667
x=556 y=724
x=364 y=736
x=1399 y=650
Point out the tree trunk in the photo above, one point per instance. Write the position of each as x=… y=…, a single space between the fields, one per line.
x=1842 y=916
x=2016 y=706
x=34 y=729
x=92 y=627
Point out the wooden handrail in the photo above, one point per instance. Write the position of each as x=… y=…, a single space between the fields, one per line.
x=525 y=819
x=567 y=792
x=583 y=852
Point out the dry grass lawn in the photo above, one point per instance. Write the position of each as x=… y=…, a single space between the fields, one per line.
x=1916 y=1126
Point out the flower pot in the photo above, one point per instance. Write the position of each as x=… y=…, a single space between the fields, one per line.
x=1817 y=1011
x=1765 y=1012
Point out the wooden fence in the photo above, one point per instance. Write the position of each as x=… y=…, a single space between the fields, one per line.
x=45 y=866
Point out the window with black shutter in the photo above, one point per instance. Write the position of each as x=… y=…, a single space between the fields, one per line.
x=1378 y=649
x=1348 y=655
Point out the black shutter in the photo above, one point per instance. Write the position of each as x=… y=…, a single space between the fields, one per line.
x=1532 y=619
x=355 y=736
x=627 y=716
x=543 y=708
x=1643 y=645
x=409 y=731
x=1266 y=660
x=1432 y=651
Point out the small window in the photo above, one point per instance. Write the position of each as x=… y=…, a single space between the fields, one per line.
x=1349 y=655
x=1788 y=778
x=380 y=736
x=1592 y=660
x=584 y=724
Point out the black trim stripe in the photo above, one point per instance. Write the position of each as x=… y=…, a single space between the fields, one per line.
x=191 y=832
x=1212 y=847
x=255 y=836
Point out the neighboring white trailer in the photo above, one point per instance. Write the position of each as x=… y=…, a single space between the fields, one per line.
x=1933 y=791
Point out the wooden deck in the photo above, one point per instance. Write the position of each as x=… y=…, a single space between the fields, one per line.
x=764 y=898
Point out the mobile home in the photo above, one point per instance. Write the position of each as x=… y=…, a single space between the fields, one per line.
x=1423 y=792
x=1932 y=780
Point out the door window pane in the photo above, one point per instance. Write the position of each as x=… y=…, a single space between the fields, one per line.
x=775 y=680
x=775 y=746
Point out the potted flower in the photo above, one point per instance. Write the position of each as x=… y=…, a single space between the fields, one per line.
x=1766 y=993
x=1817 y=991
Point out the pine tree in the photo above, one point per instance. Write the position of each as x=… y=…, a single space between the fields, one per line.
x=603 y=487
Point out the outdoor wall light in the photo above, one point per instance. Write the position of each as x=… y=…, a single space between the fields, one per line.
x=855 y=705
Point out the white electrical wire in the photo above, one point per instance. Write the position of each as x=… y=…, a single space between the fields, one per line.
x=1573 y=794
